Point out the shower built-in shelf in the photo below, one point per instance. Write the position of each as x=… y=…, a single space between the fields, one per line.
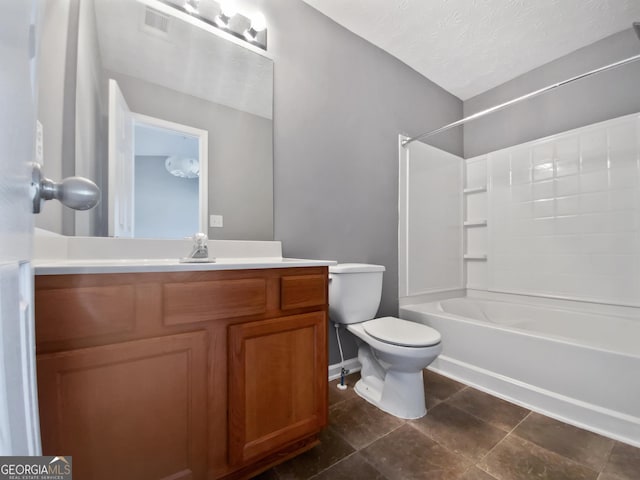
x=471 y=190
x=475 y=256
x=479 y=222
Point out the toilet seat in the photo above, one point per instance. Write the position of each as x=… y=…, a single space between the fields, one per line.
x=401 y=332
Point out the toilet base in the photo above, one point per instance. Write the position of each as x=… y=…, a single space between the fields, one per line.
x=398 y=393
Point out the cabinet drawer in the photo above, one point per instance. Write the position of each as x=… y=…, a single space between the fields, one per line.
x=82 y=312
x=189 y=302
x=300 y=291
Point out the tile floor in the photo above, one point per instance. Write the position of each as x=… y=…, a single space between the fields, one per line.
x=467 y=435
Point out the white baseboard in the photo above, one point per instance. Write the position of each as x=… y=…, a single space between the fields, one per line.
x=609 y=423
x=351 y=364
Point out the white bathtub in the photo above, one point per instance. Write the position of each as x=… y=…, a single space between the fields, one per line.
x=574 y=365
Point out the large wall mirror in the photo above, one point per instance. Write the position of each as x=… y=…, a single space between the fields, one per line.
x=171 y=120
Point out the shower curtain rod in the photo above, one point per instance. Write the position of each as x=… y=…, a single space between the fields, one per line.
x=535 y=93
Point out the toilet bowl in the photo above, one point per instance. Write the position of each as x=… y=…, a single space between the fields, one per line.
x=391 y=351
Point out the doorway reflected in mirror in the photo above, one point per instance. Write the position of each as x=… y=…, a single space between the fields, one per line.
x=184 y=75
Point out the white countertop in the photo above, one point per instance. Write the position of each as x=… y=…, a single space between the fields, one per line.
x=141 y=265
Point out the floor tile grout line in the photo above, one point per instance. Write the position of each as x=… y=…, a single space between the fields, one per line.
x=429 y=437
x=442 y=400
x=438 y=442
x=356 y=450
x=507 y=432
x=598 y=471
x=474 y=461
x=402 y=422
x=510 y=432
x=333 y=464
x=492 y=396
x=572 y=460
x=475 y=466
x=445 y=447
x=338 y=403
x=606 y=462
x=379 y=438
x=577 y=462
x=501 y=440
x=373 y=465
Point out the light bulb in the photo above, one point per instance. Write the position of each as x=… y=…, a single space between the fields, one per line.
x=228 y=8
x=191 y=6
x=258 y=22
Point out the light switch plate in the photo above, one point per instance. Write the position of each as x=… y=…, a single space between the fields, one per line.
x=215 y=220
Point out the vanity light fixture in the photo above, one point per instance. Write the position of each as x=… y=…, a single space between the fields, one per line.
x=223 y=15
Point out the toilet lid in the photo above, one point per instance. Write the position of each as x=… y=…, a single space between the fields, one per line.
x=401 y=332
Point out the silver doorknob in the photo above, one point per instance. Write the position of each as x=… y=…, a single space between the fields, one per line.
x=77 y=193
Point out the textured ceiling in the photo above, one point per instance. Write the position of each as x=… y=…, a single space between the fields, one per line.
x=470 y=46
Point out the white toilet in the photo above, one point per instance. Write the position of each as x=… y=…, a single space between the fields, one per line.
x=392 y=352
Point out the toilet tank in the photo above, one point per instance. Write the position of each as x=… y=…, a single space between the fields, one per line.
x=355 y=290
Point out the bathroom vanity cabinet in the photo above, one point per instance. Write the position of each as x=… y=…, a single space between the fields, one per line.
x=181 y=375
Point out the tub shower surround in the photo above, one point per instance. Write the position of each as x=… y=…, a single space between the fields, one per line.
x=576 y=365
x=551 y=255
x=563 y=215
x=430 y=214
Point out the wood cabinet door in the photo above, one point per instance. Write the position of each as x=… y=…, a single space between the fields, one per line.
x=133 y=410
x=277 y=383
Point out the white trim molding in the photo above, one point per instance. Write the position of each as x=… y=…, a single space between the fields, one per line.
x=616 y=425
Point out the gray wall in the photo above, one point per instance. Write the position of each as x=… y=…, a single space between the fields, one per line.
x=91 y=122
x=52 y=63
x=604 y=96
x=339 y=105
x=240 y=155
x=69 y=60
x=165 y=206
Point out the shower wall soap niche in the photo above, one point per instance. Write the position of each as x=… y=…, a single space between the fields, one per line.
x=475 y=210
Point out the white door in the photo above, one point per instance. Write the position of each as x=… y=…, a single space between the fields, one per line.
x=163 y=143
x=121 y=166
x=19 y=426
